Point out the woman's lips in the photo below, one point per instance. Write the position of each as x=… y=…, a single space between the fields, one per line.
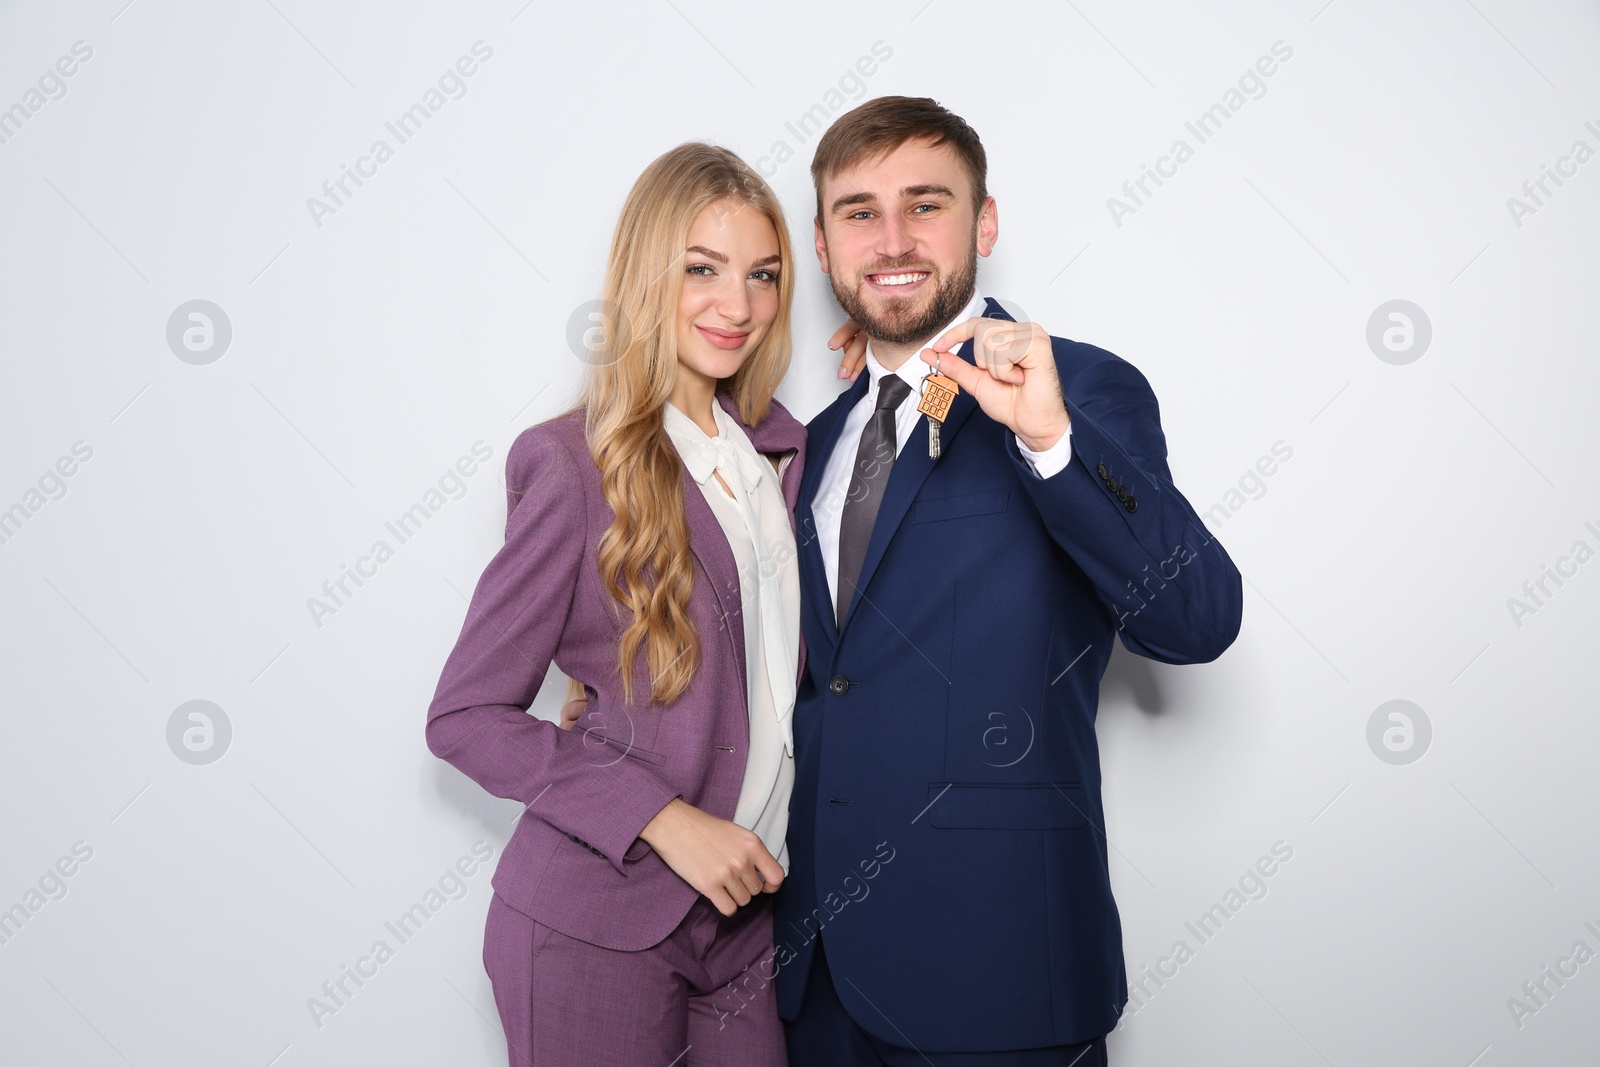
x=723 y=339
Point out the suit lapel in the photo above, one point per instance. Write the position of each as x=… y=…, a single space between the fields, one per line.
x=911 y=468
x=710 y=547
x=824 y=436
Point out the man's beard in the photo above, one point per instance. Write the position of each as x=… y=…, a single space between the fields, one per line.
x=902 y=325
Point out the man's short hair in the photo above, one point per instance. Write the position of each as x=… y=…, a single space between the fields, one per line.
x=879 y=126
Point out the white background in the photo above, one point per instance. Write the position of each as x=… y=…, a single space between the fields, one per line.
x=430 y=311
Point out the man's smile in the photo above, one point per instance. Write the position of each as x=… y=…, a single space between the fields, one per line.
x=899 y=282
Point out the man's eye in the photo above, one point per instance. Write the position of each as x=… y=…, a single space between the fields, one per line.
x=930 y=207
x=861 y=214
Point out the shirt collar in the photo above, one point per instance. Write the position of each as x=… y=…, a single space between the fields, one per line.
x=913 y=370
x=701 y=453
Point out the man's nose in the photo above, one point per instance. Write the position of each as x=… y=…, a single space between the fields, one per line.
x=894 y=239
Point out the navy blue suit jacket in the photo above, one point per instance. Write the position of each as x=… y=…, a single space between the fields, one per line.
x=946 y=835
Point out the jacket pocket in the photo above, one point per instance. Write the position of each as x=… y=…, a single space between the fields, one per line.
x=603 y=751
x=610 y=734
x=958 y=507
x=1008 y=806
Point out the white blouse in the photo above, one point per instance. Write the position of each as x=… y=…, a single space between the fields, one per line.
x=756 y=523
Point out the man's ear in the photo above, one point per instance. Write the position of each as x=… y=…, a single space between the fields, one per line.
x=988 y=226
x=822 y=244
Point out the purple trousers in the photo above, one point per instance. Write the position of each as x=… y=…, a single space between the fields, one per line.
x=703 y=997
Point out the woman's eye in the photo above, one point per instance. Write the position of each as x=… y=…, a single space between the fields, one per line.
x=765 y=276
x=697 y=267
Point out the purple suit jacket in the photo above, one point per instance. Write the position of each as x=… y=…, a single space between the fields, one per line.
x=575 y=861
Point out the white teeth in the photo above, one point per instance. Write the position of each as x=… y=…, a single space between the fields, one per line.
x=899 y=279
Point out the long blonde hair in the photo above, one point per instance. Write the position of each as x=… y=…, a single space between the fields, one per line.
x=644 y=557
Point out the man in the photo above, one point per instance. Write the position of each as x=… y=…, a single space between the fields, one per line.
x=949 y=899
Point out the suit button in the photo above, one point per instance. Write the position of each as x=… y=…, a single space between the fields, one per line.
x=1131 y=504
x=838 y=684
x=1100 y=469
x=1122 y=494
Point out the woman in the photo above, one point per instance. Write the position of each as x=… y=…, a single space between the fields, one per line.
x=650 y=555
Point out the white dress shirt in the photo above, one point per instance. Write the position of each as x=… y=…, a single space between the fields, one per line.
x=755 y=521
x=834 y=487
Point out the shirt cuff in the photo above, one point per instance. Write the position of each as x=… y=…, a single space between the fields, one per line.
x=1052 y=459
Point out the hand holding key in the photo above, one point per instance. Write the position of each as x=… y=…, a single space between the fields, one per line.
x=1014 y=378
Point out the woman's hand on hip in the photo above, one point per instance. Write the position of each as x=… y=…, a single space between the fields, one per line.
x=572 y=711
x=725 y=862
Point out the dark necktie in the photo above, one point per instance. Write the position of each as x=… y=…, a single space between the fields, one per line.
x=874 y=456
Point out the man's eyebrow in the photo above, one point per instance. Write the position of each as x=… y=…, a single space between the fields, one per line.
x=852 y=199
